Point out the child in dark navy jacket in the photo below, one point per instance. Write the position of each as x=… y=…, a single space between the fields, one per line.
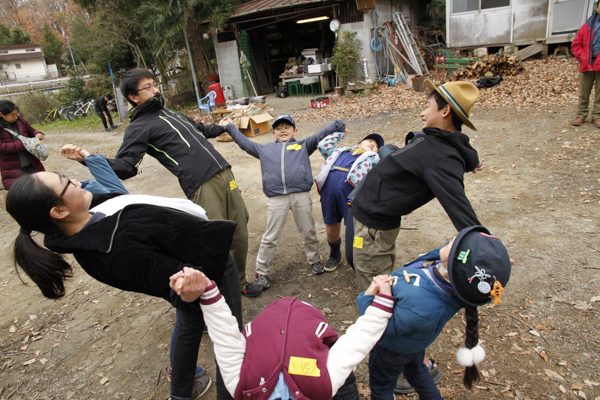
x=469 y=271
x=344 y=169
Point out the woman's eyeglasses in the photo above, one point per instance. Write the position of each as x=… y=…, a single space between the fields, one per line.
x=60 y=196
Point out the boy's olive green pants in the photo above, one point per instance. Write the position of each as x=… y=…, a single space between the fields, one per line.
x=221 y=199
x=374 y=253
x=587 y=80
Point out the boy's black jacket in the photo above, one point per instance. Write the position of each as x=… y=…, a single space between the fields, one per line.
x=431 y=165
x=140 y=247
x=175 y=140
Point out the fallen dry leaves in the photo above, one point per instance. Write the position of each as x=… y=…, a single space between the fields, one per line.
x=542 y=82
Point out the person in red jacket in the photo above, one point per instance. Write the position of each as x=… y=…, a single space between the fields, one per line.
x=14 y=159
x=585 y=48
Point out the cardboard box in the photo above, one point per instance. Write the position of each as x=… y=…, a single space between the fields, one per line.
x=256 y=125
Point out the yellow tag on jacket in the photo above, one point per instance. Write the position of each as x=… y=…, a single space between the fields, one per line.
x=358 y=242
x=304 y=366
x=232 y=185
x=294 y=147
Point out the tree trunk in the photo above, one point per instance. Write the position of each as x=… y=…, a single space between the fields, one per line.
x=198 y=52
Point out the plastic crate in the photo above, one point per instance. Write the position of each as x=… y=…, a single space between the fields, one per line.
x=319 y=102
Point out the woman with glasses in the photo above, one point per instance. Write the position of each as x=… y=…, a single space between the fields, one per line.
x=15 y=161
x=131 y=242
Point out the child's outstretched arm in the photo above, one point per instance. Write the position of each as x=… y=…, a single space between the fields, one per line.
x=229 y=343
x=334 y=126
x=353 y=347
x=245 y=144
x=361 y=169
x=106 y=179
x=327 y=145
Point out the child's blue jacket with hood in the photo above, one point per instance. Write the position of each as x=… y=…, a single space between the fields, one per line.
x=421 y=308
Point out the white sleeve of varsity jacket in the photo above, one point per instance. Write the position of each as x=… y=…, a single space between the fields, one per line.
x=229 y=343
x=353 y=347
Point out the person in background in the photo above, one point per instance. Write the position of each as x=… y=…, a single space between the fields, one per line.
x=585 y=48
x=102 y=111
x=14 y=159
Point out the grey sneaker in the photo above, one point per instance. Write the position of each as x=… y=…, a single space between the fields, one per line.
x=403 y=387
x=318 y=268
x=201 y=386
x=262 y=281
x=333 y=263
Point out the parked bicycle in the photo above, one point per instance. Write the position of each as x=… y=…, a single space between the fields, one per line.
x=82 y=110
x=49 y=116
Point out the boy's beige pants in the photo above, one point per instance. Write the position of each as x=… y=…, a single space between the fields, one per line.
x=278 y=209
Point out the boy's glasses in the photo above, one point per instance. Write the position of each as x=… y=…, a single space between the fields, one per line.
x=149 y=87
x=60 y=196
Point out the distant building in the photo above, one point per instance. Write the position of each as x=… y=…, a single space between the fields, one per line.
x=22 y=63
x=489 y=23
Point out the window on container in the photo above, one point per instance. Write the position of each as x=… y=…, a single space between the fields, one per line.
x=18 y=66
x=459 y=6
x=29 y=50
x=3 y=51
x=494 y=3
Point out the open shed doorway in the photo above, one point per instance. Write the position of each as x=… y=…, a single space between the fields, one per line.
x=275 y=44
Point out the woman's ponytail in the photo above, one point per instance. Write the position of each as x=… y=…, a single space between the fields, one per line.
x=29 y=202
x=472 y=354
x=46 y=269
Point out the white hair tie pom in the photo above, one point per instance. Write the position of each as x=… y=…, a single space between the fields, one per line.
x=478 y=354
x=469 y=357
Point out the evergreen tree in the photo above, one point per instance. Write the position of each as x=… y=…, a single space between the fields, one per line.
x=19 y=36
x=51 y=45
x=4 y=35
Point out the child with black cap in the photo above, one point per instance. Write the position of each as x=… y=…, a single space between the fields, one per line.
x=343 y=170
x=287 y=180
x=469 y=271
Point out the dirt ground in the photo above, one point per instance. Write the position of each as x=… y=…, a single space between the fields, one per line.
x=539 y=193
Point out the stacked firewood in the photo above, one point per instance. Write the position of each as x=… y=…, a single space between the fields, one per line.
x=498 y=65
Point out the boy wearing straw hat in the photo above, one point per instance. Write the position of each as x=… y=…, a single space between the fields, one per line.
x=431 y=165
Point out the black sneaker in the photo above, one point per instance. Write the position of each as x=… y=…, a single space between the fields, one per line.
x=403 y=387
x=333 y=263
x=201 y=386
x=251 y=290
x=317 y=268
x=262 y=281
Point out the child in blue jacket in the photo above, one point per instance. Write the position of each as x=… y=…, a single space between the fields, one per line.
x=344 y=169
x=287 y=180
x=468 y=272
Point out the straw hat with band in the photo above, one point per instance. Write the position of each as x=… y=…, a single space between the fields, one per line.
x=461 y=96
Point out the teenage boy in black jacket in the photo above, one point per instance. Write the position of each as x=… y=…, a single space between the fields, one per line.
x=430 y=165
x=181 y=146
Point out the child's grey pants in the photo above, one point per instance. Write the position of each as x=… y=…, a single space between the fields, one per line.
x=278 y=209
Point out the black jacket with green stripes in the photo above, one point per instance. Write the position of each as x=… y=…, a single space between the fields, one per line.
x=175 y=140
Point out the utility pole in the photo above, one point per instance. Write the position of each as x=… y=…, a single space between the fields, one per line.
x=187 y=44
x=71 y=51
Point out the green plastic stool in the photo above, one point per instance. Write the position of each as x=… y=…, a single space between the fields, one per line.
x=312 y=86
x=294 y=86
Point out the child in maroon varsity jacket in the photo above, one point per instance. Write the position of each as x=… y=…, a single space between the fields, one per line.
x=288 y=349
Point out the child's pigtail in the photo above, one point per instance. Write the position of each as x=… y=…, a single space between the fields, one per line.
x=472 y=354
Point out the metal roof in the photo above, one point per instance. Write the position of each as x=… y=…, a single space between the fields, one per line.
x=258 y=6
x=21 y=56
x=19 y=46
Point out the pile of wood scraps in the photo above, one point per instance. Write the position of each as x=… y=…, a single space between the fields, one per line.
x=498 y=65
